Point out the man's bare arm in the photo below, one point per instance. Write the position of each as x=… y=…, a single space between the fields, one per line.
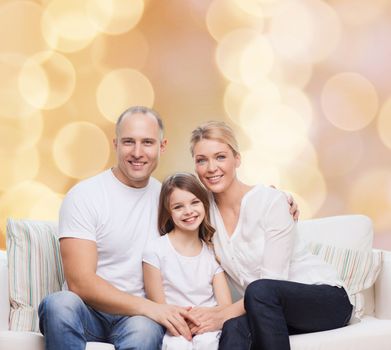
x=79 y=258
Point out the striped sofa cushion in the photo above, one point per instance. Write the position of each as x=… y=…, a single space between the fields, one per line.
x=35 y=269
x=356 y=268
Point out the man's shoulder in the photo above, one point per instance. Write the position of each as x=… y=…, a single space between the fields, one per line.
x=90 y=185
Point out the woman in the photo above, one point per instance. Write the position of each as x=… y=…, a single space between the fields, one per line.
x=286 y=289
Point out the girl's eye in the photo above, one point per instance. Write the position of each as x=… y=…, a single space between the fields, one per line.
x=197 y=201
x=177 y=207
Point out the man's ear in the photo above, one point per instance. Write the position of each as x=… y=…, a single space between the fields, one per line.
x=163 y=145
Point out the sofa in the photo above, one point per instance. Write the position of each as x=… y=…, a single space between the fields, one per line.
x=349 y=233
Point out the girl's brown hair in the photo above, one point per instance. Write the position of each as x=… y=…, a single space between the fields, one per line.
x=186 y=182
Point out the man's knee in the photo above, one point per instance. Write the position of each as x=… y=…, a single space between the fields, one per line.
x=62 y=306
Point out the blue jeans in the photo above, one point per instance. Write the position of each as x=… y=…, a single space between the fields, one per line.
x=275 y=309
x=68 y=323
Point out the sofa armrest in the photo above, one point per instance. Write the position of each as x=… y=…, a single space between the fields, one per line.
x=4 y=296
x=383 y=289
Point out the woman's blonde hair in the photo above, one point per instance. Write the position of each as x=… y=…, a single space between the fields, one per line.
x=214 y=130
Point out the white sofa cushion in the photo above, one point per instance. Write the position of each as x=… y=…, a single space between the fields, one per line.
x=35 y=269
x=12 y=340
x=345 y=231
x=370 y=333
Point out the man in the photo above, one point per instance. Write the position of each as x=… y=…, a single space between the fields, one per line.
x=105 y=222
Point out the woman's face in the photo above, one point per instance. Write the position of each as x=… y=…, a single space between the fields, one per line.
x=215 y=164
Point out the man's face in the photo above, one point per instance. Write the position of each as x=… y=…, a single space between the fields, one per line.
x=138 y=146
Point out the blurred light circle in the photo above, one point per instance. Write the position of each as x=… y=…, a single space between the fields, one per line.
x=225 y=16
x=66 y=25
x=230 y=50
x=18 y=134
x=257 y=61
x=277 y=132
x=262 y=97
x=384 y=124
x=109 y=51
x=298 y=101
x=370 y=195
x=308 y=182
x=255 y=7
x=256 y=169
x=19 y=202
x=20 y=28
x=339 y=152
x=81 y=149
x=234 y=96
x=12 y=104
x=18 y=166
x=47 y=80
x=121 y=89
x=364 y=11
x=115 y=17
x=291 y=73
x=349 y=101
x=305 y=30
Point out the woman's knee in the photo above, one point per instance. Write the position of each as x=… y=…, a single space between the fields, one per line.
x=263 y=290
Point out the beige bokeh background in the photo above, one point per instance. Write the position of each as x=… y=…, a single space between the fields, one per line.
x=306 y=84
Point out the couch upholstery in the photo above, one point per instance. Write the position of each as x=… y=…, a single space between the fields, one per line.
x=373 y=332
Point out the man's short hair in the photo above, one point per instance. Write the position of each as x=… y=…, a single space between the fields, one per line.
x=142 y=110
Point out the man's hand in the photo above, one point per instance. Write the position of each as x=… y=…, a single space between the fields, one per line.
x=210 y=319
x=174 y=318
x=293 y=207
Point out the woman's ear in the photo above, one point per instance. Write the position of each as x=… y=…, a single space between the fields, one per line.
x=238 y=160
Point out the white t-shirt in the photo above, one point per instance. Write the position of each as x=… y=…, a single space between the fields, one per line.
x=187 y=281
x=265 y=244
x=120 y=219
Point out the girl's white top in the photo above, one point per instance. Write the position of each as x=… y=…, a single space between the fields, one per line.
x=187 y=280
x=265 y=244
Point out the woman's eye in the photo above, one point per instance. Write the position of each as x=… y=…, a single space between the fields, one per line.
x=221 y=157
x=200 y=161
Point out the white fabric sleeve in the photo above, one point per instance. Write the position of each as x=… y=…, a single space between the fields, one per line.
x=216 y=267
x=77 y=218
x=280 y=236
x=151 y=253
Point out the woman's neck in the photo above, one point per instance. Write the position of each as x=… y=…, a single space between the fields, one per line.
x=232 y=196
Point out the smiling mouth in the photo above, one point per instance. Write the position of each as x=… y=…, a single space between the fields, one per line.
x=136 y=164
x=190 y=220
x=214 y=179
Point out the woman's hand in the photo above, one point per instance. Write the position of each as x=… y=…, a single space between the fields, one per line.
x=210 y=319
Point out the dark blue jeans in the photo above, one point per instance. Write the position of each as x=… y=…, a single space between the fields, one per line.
x=68 y=323
x=275 y=309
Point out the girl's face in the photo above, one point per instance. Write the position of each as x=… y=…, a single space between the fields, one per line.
x=187 y=211
x=215 y=164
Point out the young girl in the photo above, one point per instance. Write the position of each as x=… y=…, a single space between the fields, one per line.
x=180 y=267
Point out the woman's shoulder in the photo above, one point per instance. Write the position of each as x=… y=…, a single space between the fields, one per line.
x=263 y=193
